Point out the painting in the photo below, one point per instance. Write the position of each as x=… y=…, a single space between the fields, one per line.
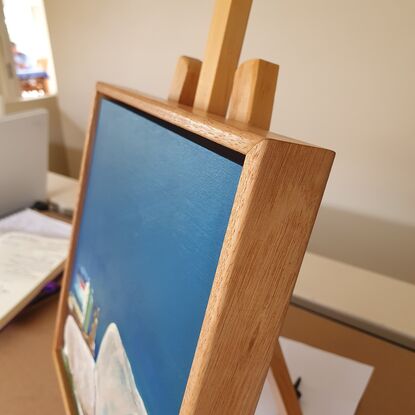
x=156 y=208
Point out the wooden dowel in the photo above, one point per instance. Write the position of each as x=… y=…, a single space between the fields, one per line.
x=223 y=49
x=288 y=401
x=253 y=93
x=186 y=77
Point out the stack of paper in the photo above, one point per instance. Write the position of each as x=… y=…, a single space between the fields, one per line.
x=33 y=248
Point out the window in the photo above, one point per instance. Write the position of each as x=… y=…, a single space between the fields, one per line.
x=27 y=37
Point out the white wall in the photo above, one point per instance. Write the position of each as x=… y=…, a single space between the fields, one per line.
x=346 y=82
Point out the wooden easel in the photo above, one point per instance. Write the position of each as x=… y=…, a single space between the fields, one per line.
x=245 y=94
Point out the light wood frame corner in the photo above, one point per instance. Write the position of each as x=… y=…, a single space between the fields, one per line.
x=277 y=200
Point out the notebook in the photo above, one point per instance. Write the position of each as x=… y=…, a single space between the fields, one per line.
x=33 y=248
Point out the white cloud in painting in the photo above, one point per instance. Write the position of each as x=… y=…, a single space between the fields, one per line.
x=116 y=392
x=81 y=365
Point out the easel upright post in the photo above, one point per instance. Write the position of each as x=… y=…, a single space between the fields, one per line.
x=224 y=44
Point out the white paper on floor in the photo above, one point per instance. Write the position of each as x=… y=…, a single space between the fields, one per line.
x=330 y=384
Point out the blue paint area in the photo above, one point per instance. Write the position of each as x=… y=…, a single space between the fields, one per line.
x=154 y=219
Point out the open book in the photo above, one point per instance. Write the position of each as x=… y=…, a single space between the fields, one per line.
x=33 y=249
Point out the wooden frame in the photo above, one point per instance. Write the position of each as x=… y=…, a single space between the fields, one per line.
x=277 y=199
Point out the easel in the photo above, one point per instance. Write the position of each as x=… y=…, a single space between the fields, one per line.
x=244 y=94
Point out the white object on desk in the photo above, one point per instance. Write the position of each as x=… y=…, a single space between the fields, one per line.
x=23 y=159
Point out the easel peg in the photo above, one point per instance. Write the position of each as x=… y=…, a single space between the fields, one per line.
x=185 y=80
x=253 y=93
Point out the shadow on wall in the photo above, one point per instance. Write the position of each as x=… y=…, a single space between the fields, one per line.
x=378 y=245
x=74 y=143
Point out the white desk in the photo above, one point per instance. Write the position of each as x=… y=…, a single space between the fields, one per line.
x=372 y=302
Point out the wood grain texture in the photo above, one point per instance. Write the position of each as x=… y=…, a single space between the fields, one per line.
x=184 y=84
x=235 y=135
x=288 y=402
x=277 y=200
x=224 y=44
x=251 y=102
x=280 y=189
x=64 y=383
x=253 y=93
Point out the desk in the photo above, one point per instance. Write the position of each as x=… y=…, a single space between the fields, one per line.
x=28 y=384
